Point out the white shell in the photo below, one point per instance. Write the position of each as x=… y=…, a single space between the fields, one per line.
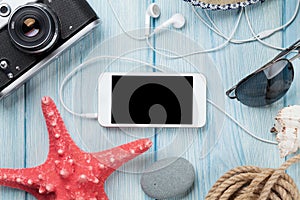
x=287 y=127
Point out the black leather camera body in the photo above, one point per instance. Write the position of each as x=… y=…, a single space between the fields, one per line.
x=34 y=32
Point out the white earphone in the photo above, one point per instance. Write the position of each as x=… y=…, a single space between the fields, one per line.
x=177 y=21
x=152 y=11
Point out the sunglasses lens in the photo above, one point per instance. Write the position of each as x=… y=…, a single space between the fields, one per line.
x=267 y=86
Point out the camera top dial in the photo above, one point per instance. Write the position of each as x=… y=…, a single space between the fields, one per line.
x=4 y=10
x=8 y=6
x=33 y=28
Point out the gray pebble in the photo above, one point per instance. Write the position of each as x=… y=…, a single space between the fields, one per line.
x=168 y=178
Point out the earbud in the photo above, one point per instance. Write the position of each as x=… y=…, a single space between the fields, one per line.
x=152 y=11
x=177 y=20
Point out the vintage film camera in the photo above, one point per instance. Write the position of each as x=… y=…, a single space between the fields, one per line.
x=34 y=32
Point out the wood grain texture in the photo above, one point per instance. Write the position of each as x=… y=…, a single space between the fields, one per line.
x=24 y=140
x=292 y=98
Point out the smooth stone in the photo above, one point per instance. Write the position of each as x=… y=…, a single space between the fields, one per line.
x=168 y=178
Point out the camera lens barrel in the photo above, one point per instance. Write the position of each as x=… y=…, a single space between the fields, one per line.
x=34 y=28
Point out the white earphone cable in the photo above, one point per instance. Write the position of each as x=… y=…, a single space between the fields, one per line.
x=240 y=125
x=121 y=26
x=204 y=51
x=84 y=65
x=218 y=31
x=214 y=27
x=65 y=80
x=262 y=35
x=258 y=38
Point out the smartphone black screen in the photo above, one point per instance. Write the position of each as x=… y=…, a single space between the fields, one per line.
x=152 y=100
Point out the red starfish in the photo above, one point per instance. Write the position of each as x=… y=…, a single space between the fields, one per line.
x=69 y=173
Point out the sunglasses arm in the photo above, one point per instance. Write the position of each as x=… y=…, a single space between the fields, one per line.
x=296 y=56
x=295 y=46
x=230 y=93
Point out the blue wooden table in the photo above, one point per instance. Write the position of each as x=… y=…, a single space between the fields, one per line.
x=213 y=150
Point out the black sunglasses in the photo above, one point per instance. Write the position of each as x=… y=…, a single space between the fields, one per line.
x=269 y=83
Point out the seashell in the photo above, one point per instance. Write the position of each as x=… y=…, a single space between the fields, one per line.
x=287 y=127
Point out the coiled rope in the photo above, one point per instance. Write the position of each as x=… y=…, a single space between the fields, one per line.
x=252 y=183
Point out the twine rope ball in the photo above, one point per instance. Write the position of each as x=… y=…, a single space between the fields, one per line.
x=252 y=183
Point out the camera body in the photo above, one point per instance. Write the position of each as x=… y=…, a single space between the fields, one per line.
x=34 y=32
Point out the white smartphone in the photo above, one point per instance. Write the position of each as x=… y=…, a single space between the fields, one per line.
x=152 y=100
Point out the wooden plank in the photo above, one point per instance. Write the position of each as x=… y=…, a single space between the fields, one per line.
x=235 y=148
x=125 y=182
x=236 y=62
x=292 y=98
x=188 y=143
x=81 y=96
x=12 y=139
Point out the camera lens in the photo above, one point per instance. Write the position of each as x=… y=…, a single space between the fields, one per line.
x=31 y=27
x=4 y=10
x=34 y=28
